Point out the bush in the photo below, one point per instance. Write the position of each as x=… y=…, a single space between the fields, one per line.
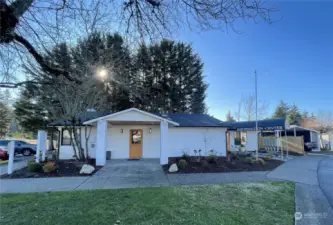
x=34 y=167
x=182 y=164
x=49 y=167
x=248 y=160
x=261 y=161
x=54 y=155
x=234 y=156
x=186 y=156
x=269 y=156
x=212 y=159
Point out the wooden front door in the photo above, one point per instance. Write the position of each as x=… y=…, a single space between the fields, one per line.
x=136 y=139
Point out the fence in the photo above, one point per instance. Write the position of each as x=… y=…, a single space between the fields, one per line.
x=295 y=144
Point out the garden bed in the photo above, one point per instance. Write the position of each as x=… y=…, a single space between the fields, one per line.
x=65 y=168
x=222 y=165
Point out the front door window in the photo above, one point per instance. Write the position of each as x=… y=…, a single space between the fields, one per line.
x=136 y=136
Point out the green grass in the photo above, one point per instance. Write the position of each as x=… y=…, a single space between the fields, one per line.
x=247 y=203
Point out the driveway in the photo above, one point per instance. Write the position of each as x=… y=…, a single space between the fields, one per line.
x=313 y=188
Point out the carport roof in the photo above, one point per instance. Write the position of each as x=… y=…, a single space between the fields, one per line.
x=268 y=124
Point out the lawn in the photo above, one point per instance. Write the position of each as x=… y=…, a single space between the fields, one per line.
x=246 y=203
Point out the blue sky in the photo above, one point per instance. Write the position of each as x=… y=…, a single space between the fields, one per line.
x=293 y=58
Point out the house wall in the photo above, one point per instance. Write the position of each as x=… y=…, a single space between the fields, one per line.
x=119 y=143
x=251 y=141
x=66 y=151
x=180 y=139
x=186 y=139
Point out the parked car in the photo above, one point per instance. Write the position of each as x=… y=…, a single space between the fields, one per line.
x=3 y=154
x=21 y=147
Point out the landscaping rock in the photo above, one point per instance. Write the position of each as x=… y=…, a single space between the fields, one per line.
x=173 y=168
x=87 y=169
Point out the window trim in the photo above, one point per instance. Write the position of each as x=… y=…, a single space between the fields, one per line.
x=62 y=137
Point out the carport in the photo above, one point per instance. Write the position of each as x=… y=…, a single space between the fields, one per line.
x=309 y=135
x=269 y=127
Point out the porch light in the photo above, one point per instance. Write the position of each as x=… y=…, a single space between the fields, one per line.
x=149 y=130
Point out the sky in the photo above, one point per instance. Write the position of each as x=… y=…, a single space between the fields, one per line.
x=293 y=58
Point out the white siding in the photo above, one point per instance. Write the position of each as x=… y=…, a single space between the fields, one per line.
x=134 y=116
x=66 y=151
x=179 y=139
x=119 y=144
x=187 y=139
x=251 y=141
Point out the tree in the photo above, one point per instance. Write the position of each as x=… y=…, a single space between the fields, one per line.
x=294 y=116
x=4 y=119
x=33 y=26
x=281 y=110
x=324 y=120
x=30 y=114
x=168 y=78
x=229 y=117
x=248 y=108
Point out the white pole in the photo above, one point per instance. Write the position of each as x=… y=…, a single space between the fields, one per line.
x=11 y=150
x=285 y=133
x=256 y=92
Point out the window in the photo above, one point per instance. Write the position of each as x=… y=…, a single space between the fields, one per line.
x=136 y=136
x=65 y=137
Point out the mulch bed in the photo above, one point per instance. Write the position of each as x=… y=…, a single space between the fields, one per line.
x=65 y=168
x=222 y=165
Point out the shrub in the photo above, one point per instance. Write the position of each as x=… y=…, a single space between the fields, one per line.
x=54 y=155
x=248 y=160
x=182 y=164
x=34 y=167
x=261 y=161
x=186 y=156
x=212 y=158
x=269 y=156
x=49 y=167
x=234 y=156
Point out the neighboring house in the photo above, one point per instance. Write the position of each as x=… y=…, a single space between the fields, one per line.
x=327 y=140
x=133 y=134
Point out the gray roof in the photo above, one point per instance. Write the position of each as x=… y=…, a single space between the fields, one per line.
x=268 y=124
x=184 y=120
x=195 y=120
x=79 y=119
x=192 y=120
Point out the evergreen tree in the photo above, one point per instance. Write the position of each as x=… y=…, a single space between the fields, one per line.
x=281 y=110
x=4 y=119
x=294 y=116
x=229 y=117
x=30 y=114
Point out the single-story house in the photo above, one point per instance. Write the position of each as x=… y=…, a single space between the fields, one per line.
x=135 y=134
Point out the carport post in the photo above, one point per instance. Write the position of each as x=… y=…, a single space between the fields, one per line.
x=41 y=145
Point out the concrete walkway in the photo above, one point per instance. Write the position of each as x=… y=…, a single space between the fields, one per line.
x=127 y=174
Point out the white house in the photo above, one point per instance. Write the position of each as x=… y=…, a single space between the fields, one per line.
x=136 y=134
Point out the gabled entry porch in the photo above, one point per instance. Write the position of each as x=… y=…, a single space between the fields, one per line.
x=132 y=134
